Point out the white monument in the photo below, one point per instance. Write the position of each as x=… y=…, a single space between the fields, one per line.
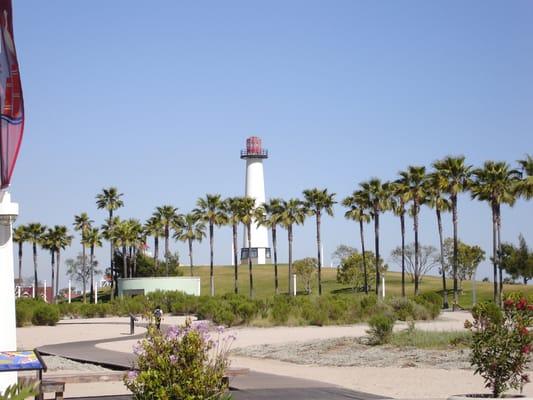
x=255 y=188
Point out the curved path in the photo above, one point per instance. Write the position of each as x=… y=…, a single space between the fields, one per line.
x=252 y=386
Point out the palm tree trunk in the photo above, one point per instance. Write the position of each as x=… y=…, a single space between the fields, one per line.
x=376 y=238
x=211 y=274
x=402 y=228
x=53 y=253
x=20 y=263
x=156 y=251
x=91 y=266
x=84 y=290
x=35 y=279
x=441 y=243
x=124 y=261
x=249 y=231
x=274 y=245
x=500 y=269
x=365 y=272
x=190 y=253
x=58 y=260
x=167 y=234
x=417 y=267
x=112 y=255
x=135 y=262
x=455 y=250
x=318 y=242
x=235 y=260
x=289 y=232
x=494 y=255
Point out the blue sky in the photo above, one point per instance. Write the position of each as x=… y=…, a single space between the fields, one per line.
x=158 y=98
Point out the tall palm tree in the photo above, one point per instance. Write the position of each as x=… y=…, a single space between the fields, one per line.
x=377 y=195
x=292 y=212
x=457 y=175
x=82 y=224
x=92 y=239
x=399 y=199
x=414 y=181
x=436 y=186
x=35 y=233
x=167 y=215
x=357 y=211
x=247 y=217
x=233 y=210
x=211 y=211
x=269 y=215
x=55 y=240
x=154 y=227
x=47 y=243
x=317 y=201
x=495 y=183
x=20 y=236
x=524 y=188
x=110 y=200
x=189 y=228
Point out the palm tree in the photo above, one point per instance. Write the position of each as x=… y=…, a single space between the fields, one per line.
x=247 y=217
x=357 y=211
x=269 y=215
x=413 y=180
x=20 y=236
x=316 y=201
x=137 y=240
x=167 y=215
x=154 y=227
x=524 y=188
x=82 y=224
x=47 y=244
x=35 y=233
x=233 y=210
x=495 y=183
x=211 y=211
x=189 y=228
x=110 y=199
x=92 y=239
x=399 y=198
x=377 y=195
x=292 y=212
x=436 y=186
x=55 y=240
x=457 y=175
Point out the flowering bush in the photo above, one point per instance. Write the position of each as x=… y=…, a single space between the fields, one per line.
x=501 y=343
x=183 y=363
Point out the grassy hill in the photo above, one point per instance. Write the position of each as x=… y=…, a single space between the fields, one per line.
x=264 y=283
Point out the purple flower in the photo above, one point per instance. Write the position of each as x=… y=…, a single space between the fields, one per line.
x=173 y=359
x=173 y=332
x=138 y=349
x=132 y=375
x=220 y=329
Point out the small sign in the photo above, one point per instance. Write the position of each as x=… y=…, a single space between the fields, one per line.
x=20 y=361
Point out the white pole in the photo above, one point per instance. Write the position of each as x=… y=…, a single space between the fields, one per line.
x=33 y=290
x=19 y=291
x=69 y=290
x=96 y=292
x=8 y=338
x=383 y=287
x=474 y=300
x=294 y=284
x=321 y=254
x=44 y=292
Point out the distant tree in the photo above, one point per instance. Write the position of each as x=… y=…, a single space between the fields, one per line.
x=342 y=252
x=468 y=259
x=517 y=261
x=167 y=215
x=35 y=233
x=233 y=210
x=20 y=236
x=82 y=224
x=92 y=239
x=189 y=228
x=428 y=258
x=351 y=270
x=154 y=227
x=304 y=269
x=79 y=270
x=524 y=188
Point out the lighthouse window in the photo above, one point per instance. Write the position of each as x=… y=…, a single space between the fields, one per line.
x=254 y=253
x=267 y=253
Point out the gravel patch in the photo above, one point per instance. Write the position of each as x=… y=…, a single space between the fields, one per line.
x=351 y=352
x=55 y=363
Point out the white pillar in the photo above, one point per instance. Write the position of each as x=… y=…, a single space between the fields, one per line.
x=8 y=338
x=33 y=290
x=95 y=292
x=69 y=290
x=44 y=292
x=18 y=291
x=294 y=284
x=383 y=287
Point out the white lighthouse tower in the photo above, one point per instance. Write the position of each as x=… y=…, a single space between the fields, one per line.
x=255 y=188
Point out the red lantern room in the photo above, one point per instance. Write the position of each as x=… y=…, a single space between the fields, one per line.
x=254 y=148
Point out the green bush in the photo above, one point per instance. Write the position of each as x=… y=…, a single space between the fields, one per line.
x=380 y=330
x=432 y=302
x=45 y=314
x=24 y=312
x=403 y=308
x=280 y=309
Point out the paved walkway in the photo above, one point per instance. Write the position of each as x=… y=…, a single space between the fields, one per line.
x=252 y=386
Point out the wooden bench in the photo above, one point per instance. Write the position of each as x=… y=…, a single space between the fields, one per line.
x=57 y=387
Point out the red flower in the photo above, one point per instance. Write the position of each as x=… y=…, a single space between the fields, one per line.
x=508 y=303
x=526 y=349
x=522 y=304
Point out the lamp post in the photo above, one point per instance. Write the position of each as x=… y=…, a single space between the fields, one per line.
x=8 y=339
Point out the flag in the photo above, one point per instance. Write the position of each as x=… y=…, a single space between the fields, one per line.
x=11 y=102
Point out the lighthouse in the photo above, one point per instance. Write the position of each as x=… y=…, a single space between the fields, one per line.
x=254 y=155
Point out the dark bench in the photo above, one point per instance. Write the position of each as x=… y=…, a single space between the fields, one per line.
x=56 y=387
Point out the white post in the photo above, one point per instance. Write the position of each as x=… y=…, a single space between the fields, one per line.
x=19 y=291
x=383 y=287
x=33 y=290
x=69 y=291
x=95 y=292
x=44 y=292
x=8 y=338
x=294 y=284
x=474 y=300
x=321 y=254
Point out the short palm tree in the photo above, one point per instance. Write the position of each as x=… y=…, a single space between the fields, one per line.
x=435 y=188
x=210 y=210
x=524 y=188
x=457 y=175
x=247 y=217
x=35 y=233
x=55 y=240
x=292 y=212
x=413 y=179
x=399 y=199
x=167 y=215
x=316 y=202
x=495 y=183
x=189 y=228
x=358 y=211
x=110 y=200
x=269 y=215
x=154 y=227
x=377 y=195
x=82 y=224
x=233 y=210
x=20 y=236
x=92 y=239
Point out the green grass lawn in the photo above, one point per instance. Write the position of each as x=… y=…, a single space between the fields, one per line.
x=264 y=283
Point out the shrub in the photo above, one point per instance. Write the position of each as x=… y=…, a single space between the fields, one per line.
x=501 y=343
x=380 y=328
x=45 y=314
x=24 y=312
x=185 y=363
x=280 y=310
x=403 y=308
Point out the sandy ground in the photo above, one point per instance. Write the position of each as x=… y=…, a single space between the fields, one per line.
x=412 y=383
